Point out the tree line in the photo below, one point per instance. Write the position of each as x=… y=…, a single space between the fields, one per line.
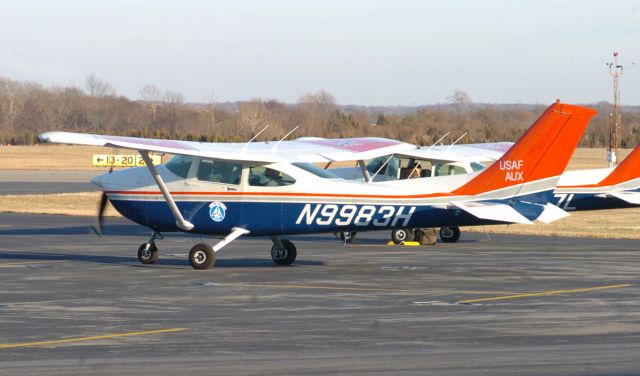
x=27 y=109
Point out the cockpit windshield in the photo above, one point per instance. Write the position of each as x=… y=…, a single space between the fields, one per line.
x=179 y=165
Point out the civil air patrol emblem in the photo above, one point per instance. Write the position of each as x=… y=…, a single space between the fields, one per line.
x=217 y=211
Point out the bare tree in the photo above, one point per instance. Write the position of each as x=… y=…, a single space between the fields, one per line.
x=152 y=95
x=98 y=88
x=211 y=109
x=12 y=99
x=174 y=101
x=315 y=109
x=252 y=116
x=460 y=99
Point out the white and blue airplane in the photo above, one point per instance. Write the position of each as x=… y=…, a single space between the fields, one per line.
x=275 y=189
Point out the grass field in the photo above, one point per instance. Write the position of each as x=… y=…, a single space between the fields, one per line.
x=85 y=204
x=53 y=157
x=605 y=224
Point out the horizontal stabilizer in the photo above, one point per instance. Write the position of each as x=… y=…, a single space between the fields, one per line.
x=493 y=211
x=552 y=213
x=631 y=197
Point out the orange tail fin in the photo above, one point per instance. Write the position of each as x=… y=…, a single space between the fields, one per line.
x=628 y=169
x=542 y=152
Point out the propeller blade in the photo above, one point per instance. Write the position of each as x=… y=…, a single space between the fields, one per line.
x=103 y=205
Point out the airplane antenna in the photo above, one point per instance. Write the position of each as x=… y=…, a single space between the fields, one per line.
x=380 y=168
x=282 y=139
x=440 y=139
x=458 y=139
x=254 y=137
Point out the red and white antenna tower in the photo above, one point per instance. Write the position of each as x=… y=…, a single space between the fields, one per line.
x=616 y=71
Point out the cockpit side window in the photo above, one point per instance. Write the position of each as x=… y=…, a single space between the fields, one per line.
x=384 y=166
x=219 y=171
x=260 y=176
x=179 y=165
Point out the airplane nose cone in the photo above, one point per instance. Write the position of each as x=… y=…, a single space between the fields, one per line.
x=99 y=180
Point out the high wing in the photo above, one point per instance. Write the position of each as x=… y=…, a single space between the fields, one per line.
x=307 y=149
x=488 y=152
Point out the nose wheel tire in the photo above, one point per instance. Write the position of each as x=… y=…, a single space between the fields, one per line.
x=284 y=256
x=400 y=235
x=449 y=234
x=147 y=253
x=202 y=256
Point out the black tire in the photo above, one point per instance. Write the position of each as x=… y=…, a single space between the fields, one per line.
x=400 y=235
x=449 y=234
x=147 y=255
x=202 y=256
x=348 y=237
x=284 y=256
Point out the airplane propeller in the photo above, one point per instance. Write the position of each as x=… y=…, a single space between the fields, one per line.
x=101 y=208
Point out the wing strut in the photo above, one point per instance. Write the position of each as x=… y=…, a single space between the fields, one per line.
x=365 y=172
x=180 y=221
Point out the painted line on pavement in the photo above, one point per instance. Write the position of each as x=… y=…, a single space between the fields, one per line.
x=90 y=338
x=545 y=293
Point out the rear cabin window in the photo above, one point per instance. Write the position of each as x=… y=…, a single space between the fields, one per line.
x=179 y=165
x=449 y=169
x=476 y=166
x=219 y=171
x=260 y=176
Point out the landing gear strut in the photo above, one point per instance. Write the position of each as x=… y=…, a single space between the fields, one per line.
x=348 y=236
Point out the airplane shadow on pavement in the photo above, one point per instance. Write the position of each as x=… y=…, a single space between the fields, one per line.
x=40 y=258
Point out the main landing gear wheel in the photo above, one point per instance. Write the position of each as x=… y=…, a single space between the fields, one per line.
x=284 y=256
x=449 y=234
x=147 y=253
x=348 y=237
x=202 y=256
x=400 y=235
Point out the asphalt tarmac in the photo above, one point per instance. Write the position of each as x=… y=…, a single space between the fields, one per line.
x=13 y=182
x=75 y=304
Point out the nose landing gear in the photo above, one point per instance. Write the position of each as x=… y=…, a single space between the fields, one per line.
x=283 y=251
x=148 y=252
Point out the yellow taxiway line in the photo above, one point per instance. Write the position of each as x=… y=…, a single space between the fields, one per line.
x=348 y=288
x=90 y=338
x=545 y=293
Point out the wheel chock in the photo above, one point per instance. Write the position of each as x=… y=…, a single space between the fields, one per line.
x=406 y=244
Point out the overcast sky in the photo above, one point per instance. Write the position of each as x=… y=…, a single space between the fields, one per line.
x=363 y=52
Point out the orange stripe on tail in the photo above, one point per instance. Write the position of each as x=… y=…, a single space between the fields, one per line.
x=542 y=152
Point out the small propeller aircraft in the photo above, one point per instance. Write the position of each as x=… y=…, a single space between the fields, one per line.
x=577 y=190
x=605 y=188
x=274 y=189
